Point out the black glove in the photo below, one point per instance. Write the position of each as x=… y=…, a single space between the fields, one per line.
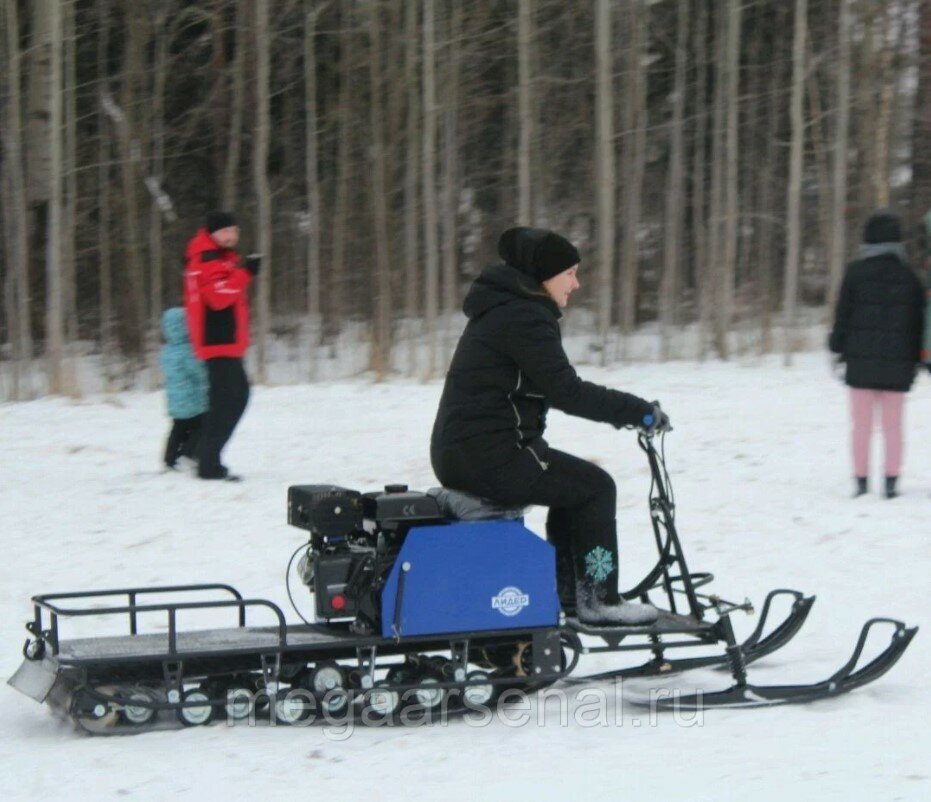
x=254 y=263
x=656 y=421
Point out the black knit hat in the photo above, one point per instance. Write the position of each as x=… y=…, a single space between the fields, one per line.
x=882 y=226
x=216 y=220
x=537 y=252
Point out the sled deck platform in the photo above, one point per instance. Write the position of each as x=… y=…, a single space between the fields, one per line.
x=226 y=641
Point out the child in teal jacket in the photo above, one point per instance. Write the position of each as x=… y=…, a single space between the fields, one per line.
x=185 y=386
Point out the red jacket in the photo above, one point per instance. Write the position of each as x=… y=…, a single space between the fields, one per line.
x=216 y=298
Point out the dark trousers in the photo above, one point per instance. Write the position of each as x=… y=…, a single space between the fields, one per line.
x=228 y=396
x=581 y=522
x=183 y=439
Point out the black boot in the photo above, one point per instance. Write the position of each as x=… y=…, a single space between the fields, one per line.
x=891 y=492
x=861 y=487
x=565 y=582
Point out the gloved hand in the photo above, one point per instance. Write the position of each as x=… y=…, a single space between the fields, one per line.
x=254 y=263
x=656 y=421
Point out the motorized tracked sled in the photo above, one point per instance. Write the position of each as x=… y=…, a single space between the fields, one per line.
x=423 y=602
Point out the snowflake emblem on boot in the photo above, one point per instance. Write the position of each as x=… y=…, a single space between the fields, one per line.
x=599 y=563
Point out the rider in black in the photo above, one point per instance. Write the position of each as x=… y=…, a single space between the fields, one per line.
x=509 y=368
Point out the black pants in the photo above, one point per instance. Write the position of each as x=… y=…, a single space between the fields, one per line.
x=228 y=396
x=183 y=439
x=582 y=499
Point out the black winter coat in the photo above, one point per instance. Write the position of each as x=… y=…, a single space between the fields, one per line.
x=508 y=369
x=879 y=323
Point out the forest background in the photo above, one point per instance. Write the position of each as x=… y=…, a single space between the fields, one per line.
x=714 y=161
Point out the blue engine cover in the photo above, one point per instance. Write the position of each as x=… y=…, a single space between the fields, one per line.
x=477 y=576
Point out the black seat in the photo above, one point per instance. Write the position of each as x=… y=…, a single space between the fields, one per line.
x=462 y=506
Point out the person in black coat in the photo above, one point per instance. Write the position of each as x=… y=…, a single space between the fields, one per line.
x=878 y=336
x=508 y=369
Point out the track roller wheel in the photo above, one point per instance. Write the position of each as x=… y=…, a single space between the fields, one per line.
x=196 y=715
x=328 y=682
x=383 y=701
x=240 y=701
x=91 y=714
x=294 y=705
x=429 y=698
x=139 y=715
x=478 y=695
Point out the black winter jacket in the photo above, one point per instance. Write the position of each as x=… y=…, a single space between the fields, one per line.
x=879 y=323
x=508 y=369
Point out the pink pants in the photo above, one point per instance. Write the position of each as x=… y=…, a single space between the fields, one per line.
x=862 y=406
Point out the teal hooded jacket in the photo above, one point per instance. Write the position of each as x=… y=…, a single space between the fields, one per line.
x=185 y=376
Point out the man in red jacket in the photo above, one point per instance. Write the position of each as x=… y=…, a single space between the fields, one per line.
x=216 y=283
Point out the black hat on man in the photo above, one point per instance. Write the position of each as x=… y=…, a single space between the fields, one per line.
x=882 y=226
x=537 y=252
x=216 y=220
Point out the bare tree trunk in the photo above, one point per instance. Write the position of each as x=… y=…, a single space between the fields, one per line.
x=766 y=256
x=104 y=153
x=339 y=285
x=129 y=158
x=713 y=281
x=887 y=84
x=381 y=350
x=450 y=168
x=921 y=122
x=699 y=156
x=672 y=255
x=156 y=266
x=841 y=137
x=867 y=111
x=69 y=211
x=429 y=185
x=525 y=112
x=635 y=163
x=219 y=96
x=311 y=123
x=794 y=195
x=234 y=137
x=54 y=310
x=15 y=211
x=412 y=132
x=260 y=139
x=18 y=365
x=604 y=166
x=725 y=307
x=38 y=139
x=819 y=151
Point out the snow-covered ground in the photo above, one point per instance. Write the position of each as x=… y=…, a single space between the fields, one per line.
x=760 y=464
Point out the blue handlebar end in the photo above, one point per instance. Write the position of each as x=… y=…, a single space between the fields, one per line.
x=648 y=419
